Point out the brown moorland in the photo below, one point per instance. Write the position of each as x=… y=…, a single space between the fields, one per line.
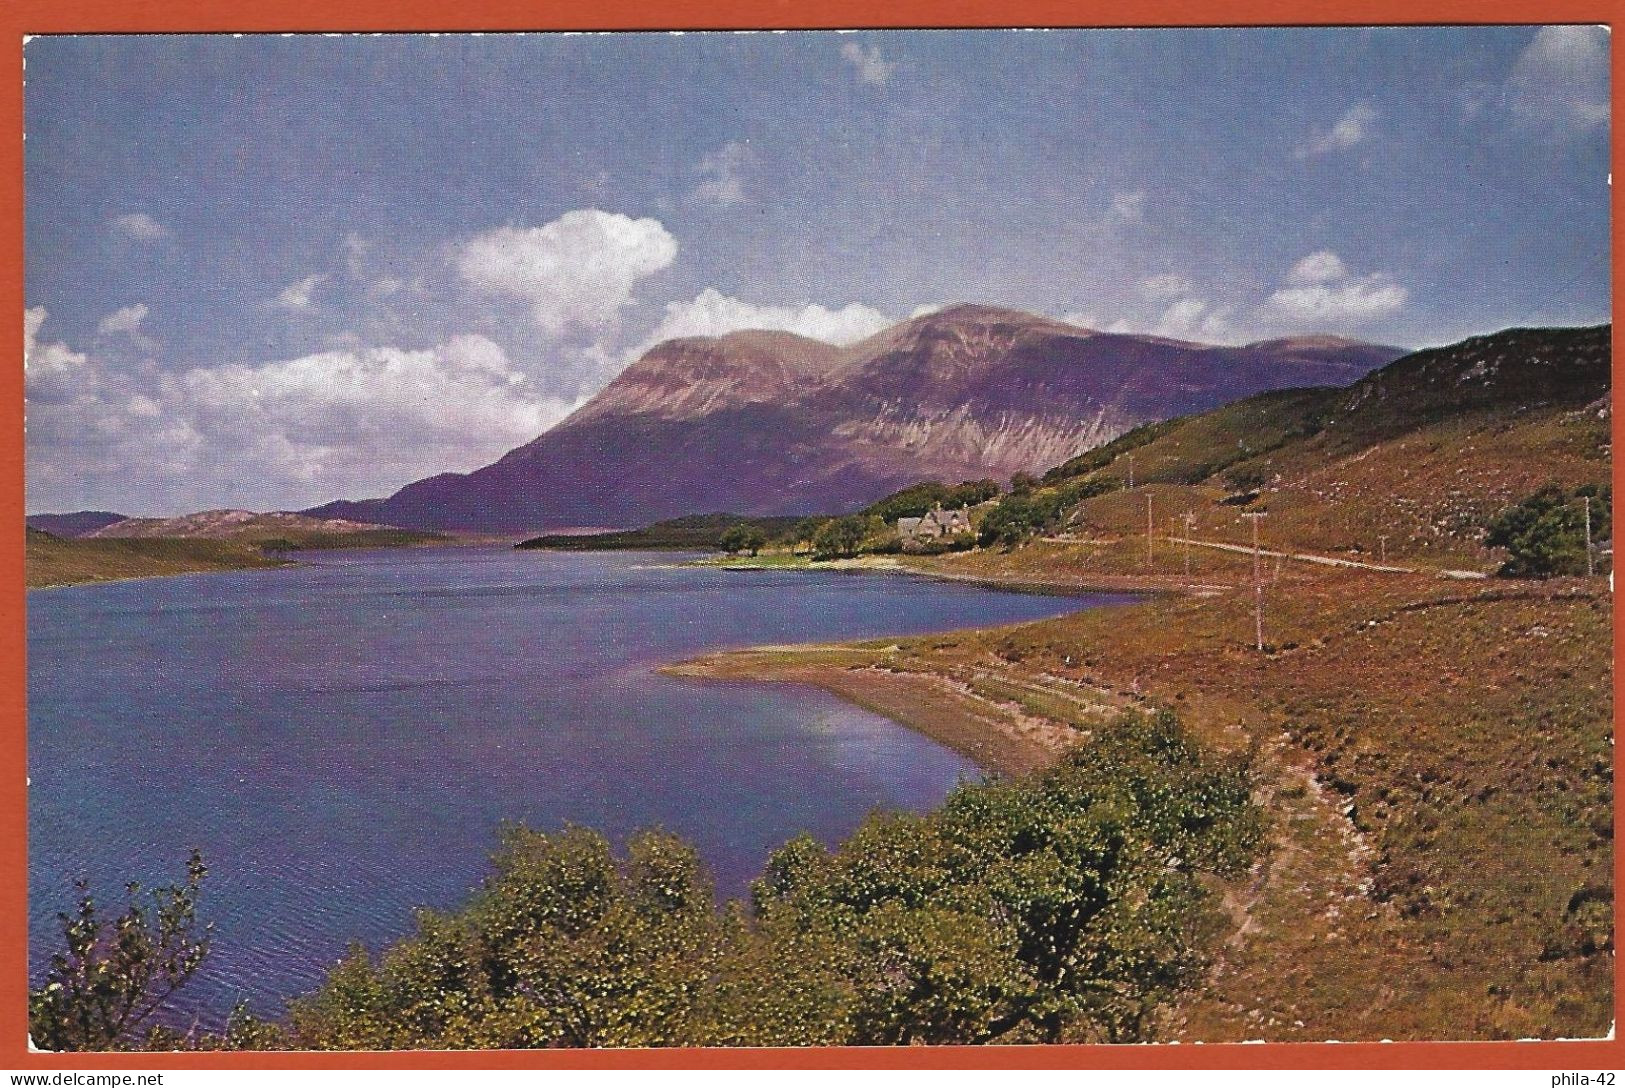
x=1436 y=751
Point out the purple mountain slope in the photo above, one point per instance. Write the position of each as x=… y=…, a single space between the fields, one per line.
x=772 y=423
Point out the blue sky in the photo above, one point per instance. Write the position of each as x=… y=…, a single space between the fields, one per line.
x=270 y=271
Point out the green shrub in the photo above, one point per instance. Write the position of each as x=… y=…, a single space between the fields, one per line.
x=115 y=973
x=1545 y=534
x=917 y=500
x=1065 y=906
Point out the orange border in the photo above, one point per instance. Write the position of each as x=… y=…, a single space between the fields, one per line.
x=20 y=17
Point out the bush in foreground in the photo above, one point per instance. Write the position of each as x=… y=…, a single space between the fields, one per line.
x=1066 y=906
x=115 y=973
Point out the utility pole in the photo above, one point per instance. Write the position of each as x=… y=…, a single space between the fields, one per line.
x=1131 y=472
x=1148 y=531
x=1258 y=582
x=1591 y=566
x=1188 y=519
x=1382 y=547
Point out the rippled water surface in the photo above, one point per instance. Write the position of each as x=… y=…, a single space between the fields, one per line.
x=343 y=739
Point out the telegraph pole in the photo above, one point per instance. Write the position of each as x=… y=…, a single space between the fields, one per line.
x=1131 y=472
x=1148 y=531
x=1591 y=565
x=1258 y=581
x=1382 y=546
x=1188 y=519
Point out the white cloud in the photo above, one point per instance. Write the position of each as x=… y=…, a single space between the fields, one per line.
x=288 y=433
x=125 y=319
x=1127 y=207
x=712 y=313
x=1081 y=319
x=871 y=67
x=577 y=271
x=722 y=174
x=1180 y=317
x=1193 y=319
x=51 y=370
x=1165 y=286
x=1354 y=127
x=297 y=296
x=1337 y=305
x=1561 y=79
x=356 y=249
x=1319 y=267
x=140 y=226
x=1319 y=294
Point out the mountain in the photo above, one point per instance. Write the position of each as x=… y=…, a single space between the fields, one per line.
x=78 y=523
x=770 y=423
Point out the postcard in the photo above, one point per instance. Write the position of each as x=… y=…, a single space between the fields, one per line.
x=818 y=539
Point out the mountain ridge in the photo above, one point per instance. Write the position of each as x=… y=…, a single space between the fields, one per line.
x=770 y=423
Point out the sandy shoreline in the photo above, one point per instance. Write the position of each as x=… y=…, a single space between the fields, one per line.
x=994 y=734
x=996 y=740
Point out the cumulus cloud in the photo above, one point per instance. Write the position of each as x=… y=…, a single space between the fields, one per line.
x=1081 y=318
x=1165 y=286
x=1195 y=319
x=1320 y=293
x=297 y=296
x=125 y=319
x=1354 y=127
x=577 y=271
x=713 y=313
x=871 y=67
x=140 y=226
x=356 y=249
x=1561 y=79
x=288 y=433
x=723 y=175
x=1338 y=305
x=1319 y=267
x=1126 y=207
x=51 y=371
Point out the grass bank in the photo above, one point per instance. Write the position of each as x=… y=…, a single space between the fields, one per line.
x=53 y=561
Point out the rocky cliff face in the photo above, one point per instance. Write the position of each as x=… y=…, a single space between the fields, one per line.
x=771 y=423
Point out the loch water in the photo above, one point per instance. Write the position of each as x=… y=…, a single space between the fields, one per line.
x=344 y=739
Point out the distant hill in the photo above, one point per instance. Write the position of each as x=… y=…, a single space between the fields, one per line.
x=696 y=532
x=774 y=424
x=275 y=531
x=1422 y=451
x=78 y=523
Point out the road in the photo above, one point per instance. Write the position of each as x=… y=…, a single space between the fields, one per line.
x=1323 y=560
